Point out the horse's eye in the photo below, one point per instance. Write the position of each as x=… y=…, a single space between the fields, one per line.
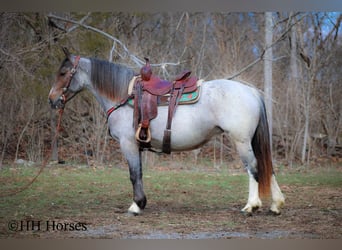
x=63 y=71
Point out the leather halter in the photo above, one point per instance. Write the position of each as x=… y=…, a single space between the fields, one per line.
x=72 y=73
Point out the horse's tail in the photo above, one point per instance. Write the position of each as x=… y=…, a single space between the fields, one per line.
x=262 y=151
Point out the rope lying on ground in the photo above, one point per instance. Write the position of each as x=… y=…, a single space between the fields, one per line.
x=44 y=163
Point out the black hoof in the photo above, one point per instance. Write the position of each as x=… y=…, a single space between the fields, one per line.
x=254 y=209
x=273 y=213
x=131 y=214
x=142 y=203
x=247 y=214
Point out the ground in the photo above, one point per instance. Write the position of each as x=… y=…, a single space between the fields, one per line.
x=302 y=218
x=181 y=204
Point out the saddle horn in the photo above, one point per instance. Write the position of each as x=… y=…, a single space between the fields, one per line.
x=146 y=71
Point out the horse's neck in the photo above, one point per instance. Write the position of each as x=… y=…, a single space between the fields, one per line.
x=84 y=80
x=105 y=102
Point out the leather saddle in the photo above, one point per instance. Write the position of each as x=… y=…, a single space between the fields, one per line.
x=147 y=91
x=158 y=87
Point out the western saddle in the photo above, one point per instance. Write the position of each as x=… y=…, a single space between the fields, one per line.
x=148 y=90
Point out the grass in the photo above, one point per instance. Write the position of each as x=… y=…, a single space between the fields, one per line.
x=330 y=177
x=69 y=192
x=184 y=189
x=61 y=192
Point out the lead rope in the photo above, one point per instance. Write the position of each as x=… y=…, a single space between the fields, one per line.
x=44 y=163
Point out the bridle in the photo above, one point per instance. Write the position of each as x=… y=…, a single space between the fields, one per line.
x=71 y=74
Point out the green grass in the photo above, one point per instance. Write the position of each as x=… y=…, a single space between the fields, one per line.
x=84 y=192
x=189 y=188
x=62 y=192
x=329 y=178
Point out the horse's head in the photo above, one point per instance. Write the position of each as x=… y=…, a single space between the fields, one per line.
x=65 y=86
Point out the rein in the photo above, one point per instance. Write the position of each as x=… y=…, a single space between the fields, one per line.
x=44 y=163
x=58 y=129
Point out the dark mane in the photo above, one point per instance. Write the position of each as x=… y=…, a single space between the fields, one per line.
x=110 y=79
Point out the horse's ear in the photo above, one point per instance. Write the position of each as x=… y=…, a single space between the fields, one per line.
x=66 y=52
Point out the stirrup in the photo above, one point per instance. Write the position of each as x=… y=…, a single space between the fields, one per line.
x=137 y=137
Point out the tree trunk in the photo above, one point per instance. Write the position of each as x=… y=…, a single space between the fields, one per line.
x=293 y=103
x=307 y=121
x=268 y=69
x=54 y=145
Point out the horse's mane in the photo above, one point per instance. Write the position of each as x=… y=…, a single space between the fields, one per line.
x=110 y=79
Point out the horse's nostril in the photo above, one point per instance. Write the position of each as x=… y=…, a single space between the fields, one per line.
x=56 y=104
x=52 y=104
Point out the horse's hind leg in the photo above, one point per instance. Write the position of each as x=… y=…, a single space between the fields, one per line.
x=133 y=156
x=247 y=156
x=278 y=199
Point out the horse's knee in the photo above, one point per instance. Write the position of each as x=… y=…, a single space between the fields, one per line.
x=250 y=164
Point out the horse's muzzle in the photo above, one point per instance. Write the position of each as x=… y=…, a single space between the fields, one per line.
x=59 y=103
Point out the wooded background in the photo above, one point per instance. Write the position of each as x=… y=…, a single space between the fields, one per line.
x=299 y=53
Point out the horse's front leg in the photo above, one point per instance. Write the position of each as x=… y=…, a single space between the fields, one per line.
x=133 y=156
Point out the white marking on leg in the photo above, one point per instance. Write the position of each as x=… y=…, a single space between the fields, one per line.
x=254 y=201
x=134 y=209
x=278 y=199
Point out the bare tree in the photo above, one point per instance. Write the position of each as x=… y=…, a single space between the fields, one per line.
x=268 y=69
x=301 y=73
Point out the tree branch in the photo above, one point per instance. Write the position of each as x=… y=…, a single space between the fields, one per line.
x=261 y=57
x=135 y=59
x=247 y=67
x=139 y=62
x=17 y=61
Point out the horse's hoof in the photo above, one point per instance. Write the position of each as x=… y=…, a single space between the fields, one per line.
x=246 y=213
x=275 y=207
x=248 y=210
x=130 y=214
x=134 y=209
x=254 y=209
x=274 y=213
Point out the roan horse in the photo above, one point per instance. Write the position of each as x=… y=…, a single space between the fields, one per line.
x=224 y=106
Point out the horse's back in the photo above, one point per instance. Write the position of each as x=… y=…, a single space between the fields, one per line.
x=223 y=106
x=236 y=106
x=234 y=90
